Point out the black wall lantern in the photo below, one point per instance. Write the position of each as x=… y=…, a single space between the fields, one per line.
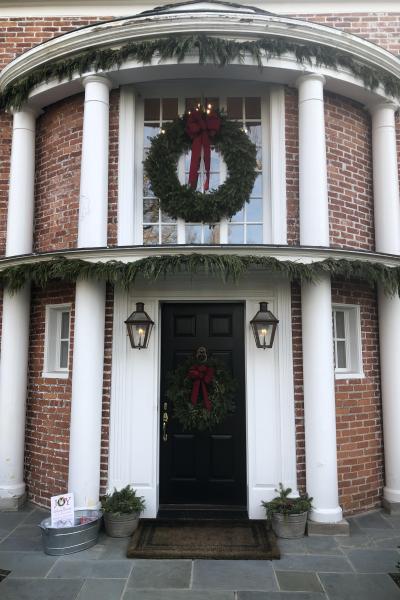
x=264 y=326
x=139 y=326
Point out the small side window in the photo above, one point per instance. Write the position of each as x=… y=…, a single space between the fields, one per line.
x=57 y=340
x=347 y=341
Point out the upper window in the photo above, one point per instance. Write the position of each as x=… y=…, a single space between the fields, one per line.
x=246 y=226
x=57 y=340
x=347 y=341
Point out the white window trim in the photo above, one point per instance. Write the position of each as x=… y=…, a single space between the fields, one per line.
x=130 y=214
x=341 y=373
x=62 y=373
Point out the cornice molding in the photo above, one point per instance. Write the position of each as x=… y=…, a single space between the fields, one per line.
x=239 y=26
x=21 y=8
x=129 y=254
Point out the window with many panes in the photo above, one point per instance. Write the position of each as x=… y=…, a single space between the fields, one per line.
x=347 y=340
x=57 y=340
x=246 y=226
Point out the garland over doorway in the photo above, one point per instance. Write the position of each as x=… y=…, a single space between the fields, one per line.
x=224 y=266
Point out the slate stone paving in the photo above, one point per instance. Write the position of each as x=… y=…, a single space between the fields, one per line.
x=315 y=568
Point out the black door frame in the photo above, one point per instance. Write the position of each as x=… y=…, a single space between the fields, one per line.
x=187 y=301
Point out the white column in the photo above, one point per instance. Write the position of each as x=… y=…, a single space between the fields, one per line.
x=319 y=401
x=88 y=354
x=93 y=200
x=387 y=239
x=386 y=179
x=313 y=181
x=318 y=365
x=21 y=190
x=16 y=308
x=13 y=382
x=87 y=389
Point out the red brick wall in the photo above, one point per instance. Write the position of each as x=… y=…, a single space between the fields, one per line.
x=48 y=406
x=113 y=169
x=292 y=166
x=58 y=159
x=349 y=163
x=5 y=155
x=49 y=402
x=380 y=28
x=358 y=411
x=105 y=425
x=358 y=407
x=298 y=387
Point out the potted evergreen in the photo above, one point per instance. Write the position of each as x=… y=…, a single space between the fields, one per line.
x=288 y=516
x=121 y=511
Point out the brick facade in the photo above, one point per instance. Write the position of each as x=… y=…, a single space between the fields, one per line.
x=58 y=151
x=349 y=164
x=48 y=405
x=358 y=406
x=58 y=159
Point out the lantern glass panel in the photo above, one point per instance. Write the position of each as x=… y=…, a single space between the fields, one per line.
x=264 y=334
x=139 y=327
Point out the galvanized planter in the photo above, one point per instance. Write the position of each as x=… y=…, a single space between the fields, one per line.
x=121 y=525
x=67 y=540
x=289 y=526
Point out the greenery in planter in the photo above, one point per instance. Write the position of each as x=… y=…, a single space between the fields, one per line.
x=123 y=502
x=287 y=506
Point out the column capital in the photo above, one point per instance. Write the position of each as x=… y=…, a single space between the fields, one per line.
x=25 y=109
x=385 y=105
x=310 y=77
x=97 y=79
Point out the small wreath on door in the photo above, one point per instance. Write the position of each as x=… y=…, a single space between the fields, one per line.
x=201 y=391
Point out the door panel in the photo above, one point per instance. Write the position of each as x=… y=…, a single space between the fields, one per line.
x=204 y=467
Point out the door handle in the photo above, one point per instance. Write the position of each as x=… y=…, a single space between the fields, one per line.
x=165 y=422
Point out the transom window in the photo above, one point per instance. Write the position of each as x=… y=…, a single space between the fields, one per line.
x=246 y=226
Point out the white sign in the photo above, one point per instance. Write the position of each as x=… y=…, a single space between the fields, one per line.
x=62 y=511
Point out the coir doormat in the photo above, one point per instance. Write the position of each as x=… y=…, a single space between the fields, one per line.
x=222 y=539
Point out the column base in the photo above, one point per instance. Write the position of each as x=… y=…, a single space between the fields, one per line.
x=12 y=503
x=340 y=528
x=392 y=508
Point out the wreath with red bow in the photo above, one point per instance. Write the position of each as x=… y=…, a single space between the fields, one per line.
x=199 y=131
x=201 y=393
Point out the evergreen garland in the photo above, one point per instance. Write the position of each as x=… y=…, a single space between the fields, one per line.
x=213 y=50
x=224 y=266
x=181 y=201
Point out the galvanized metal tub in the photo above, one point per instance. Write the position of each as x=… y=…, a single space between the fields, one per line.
x=289 y=526
x=67 y=540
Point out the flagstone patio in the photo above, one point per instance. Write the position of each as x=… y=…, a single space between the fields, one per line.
x=315 y=568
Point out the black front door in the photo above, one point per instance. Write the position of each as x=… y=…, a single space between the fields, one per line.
x=196 y=467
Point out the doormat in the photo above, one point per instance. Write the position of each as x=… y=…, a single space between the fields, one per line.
x=229 y=540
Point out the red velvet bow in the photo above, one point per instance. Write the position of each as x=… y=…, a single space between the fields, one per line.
x=201 y=128
x=201 y=375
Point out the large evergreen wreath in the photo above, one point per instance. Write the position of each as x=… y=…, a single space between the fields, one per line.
x=182 y=201
x=201 y=393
